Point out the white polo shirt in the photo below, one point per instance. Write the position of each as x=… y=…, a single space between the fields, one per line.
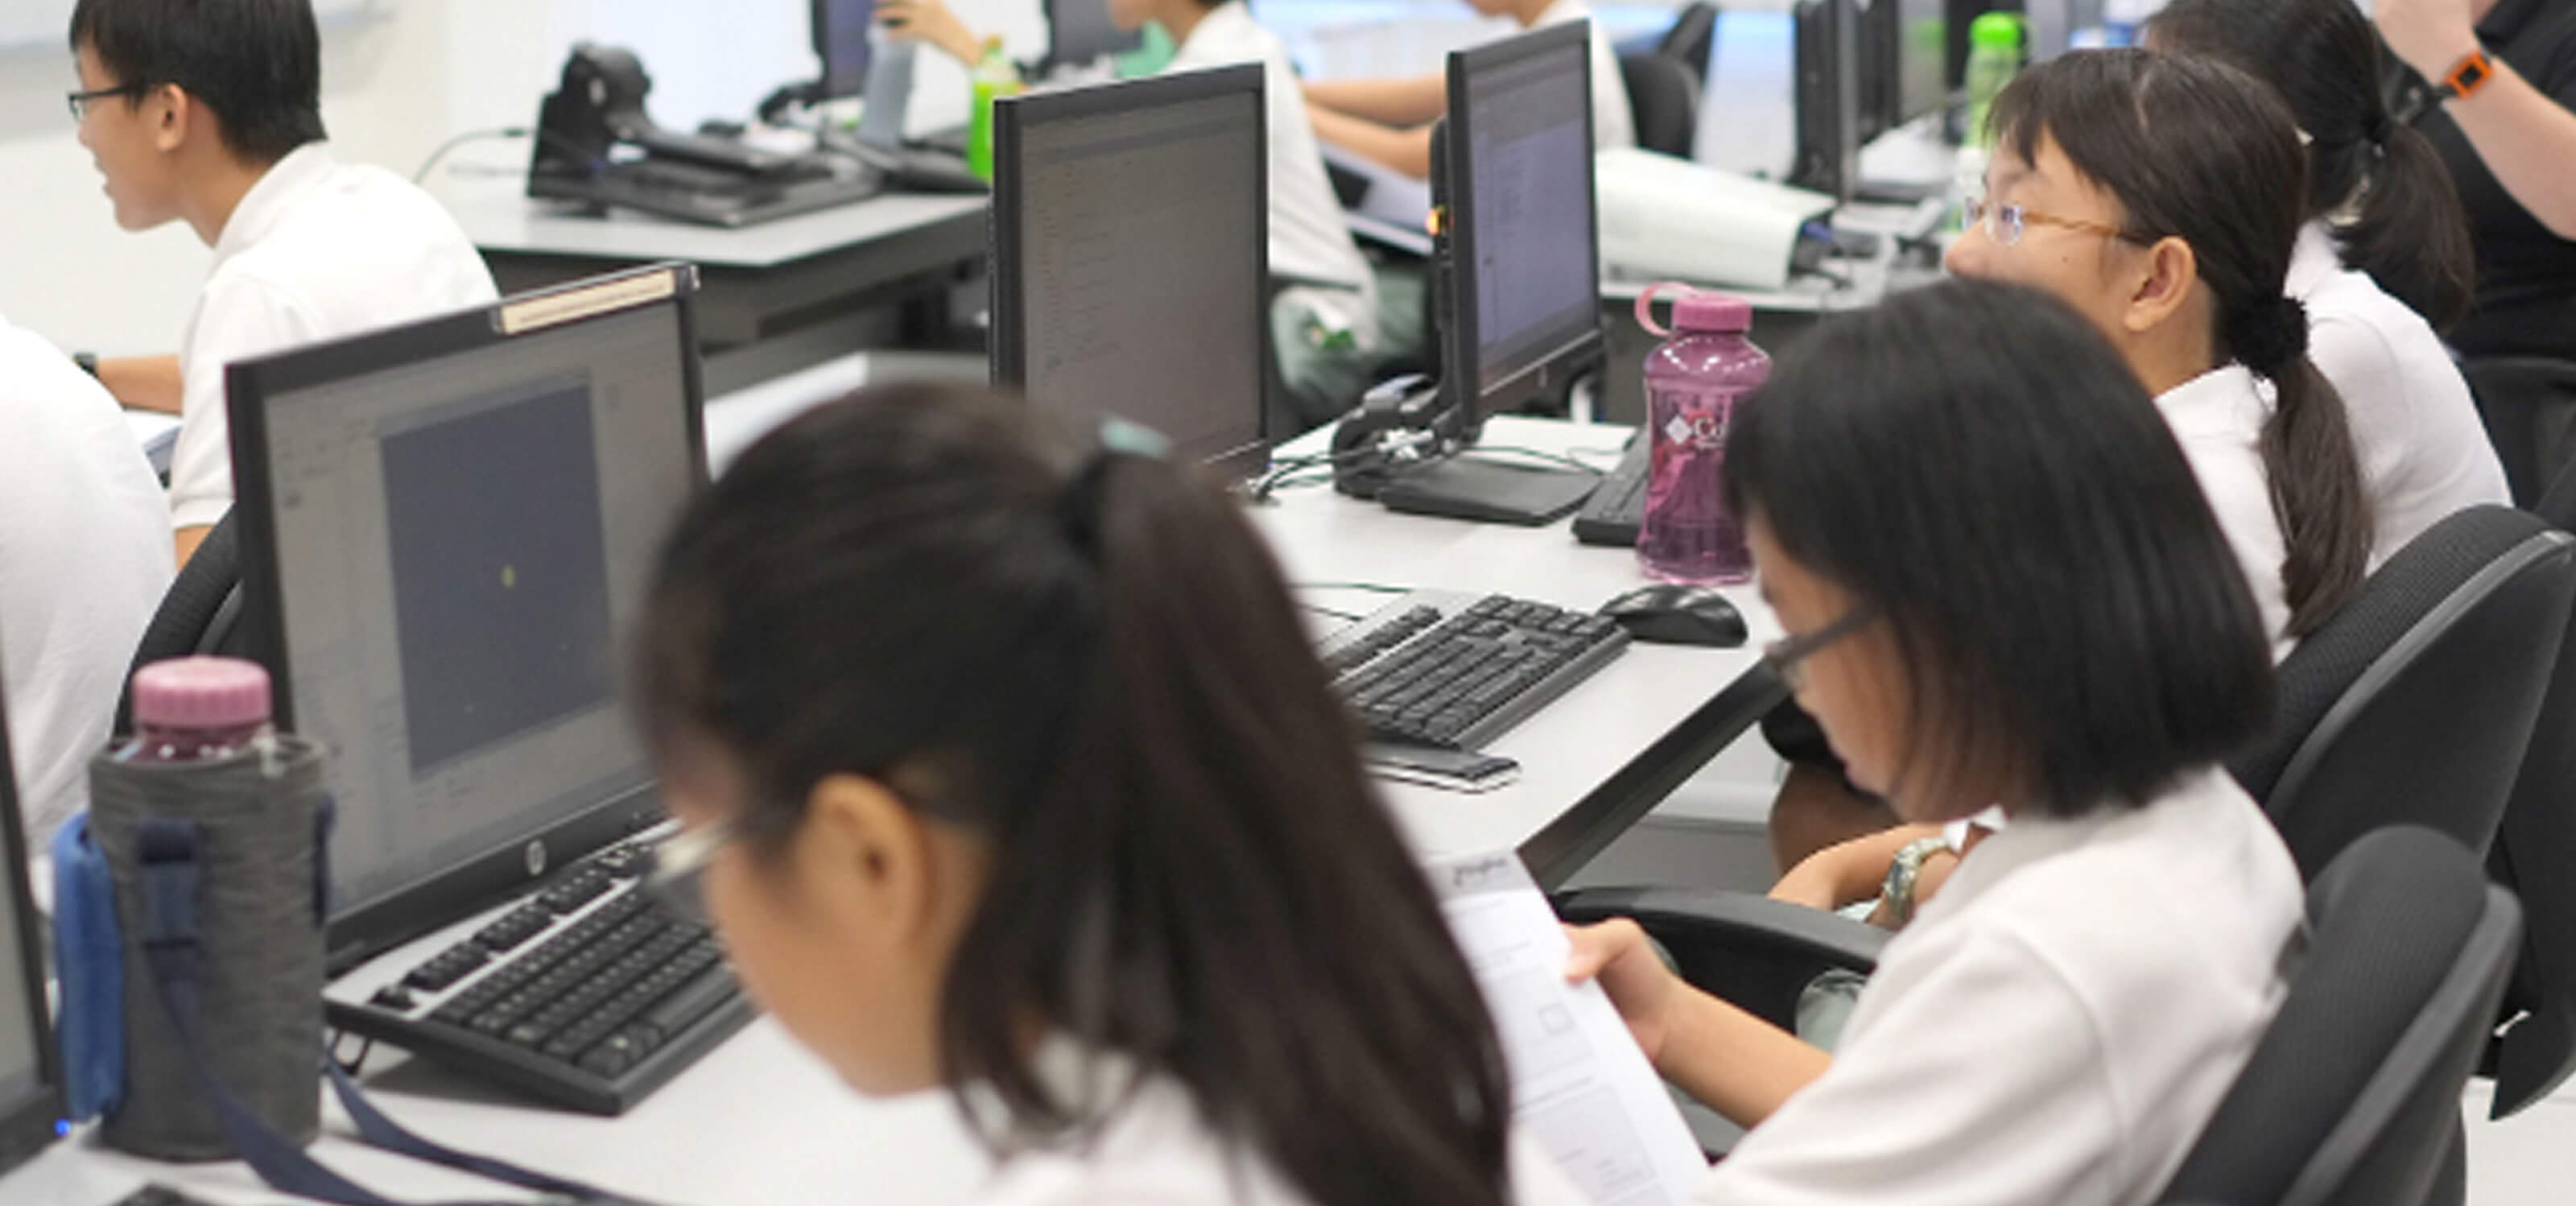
x=2218 y=418
x=2055 y=1027
x=2424 y=453
x=1614 y=124
x=1159 y=1150
x=84 y=561
x=317 y=250
x=1310 y=240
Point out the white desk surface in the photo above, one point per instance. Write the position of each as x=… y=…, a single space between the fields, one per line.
x=760 y=1121
x=499 y=217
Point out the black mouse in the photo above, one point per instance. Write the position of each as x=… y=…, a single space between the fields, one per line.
x=1672 y=614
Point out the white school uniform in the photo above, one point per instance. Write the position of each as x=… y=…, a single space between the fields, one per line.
x=2055 y=1027
x=318 y=249
x=1614 y=124
x=84 y=561
x=2424 y=453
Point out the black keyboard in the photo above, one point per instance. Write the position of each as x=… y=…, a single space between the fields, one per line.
x=1457 y=671
x=1617 y=507
x=584 y=995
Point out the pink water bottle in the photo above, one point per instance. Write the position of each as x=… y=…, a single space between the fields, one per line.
x=194 y=709
x=1694 y=381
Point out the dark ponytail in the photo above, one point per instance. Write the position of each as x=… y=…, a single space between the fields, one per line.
x=2198 y=150
x=1088 y=655
x=2409 y=232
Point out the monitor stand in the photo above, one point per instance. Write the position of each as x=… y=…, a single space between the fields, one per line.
x=1461 y=487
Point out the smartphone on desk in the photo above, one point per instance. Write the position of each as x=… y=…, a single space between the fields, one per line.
x=1453 y=770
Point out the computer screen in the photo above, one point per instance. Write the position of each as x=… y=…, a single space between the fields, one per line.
x=841 y=39
x=450 y=525
x=29 y=1098
x=1130 y=256
x=1080 y=31
x=1523 y=253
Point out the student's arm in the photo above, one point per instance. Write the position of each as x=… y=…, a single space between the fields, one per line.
x=2524 y=136
x=1730 y=1060
x=1406 y=151
x=1848 y=872
x=1408 y=101
x=931 y=23
x=144 y=382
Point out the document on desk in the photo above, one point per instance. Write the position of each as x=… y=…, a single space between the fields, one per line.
x=1580 y=1087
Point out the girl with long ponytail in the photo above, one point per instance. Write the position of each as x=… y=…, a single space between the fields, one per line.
x=1008 y=769
x=2384 y=261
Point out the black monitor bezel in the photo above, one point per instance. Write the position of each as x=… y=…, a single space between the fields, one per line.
x=29 y=1124
x=356 y=935
x=1008 y=301
x=820 y=17
x=1057 y=58
x=1468 y=399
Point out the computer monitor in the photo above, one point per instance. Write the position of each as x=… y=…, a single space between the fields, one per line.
x=1876 y=43
x=841 y=40
x=31 y=1098
x=1131 y=257
x=1784 y=99
x=1080 y=32
x=444 y=528
x=1829 y=100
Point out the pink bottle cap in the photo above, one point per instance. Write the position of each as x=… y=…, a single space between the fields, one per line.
x=201 y=693
x=1696 y=310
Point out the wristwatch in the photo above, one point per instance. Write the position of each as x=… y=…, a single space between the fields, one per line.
x=88 y=362
x=2466 y=76
x=1903 y=870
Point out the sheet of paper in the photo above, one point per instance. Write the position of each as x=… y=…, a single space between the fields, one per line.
x=1580 y=1087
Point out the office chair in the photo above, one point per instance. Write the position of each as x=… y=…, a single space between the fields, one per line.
x=2414 y=704
x=2533 y=847
x=200 y=613
x=1663 y=100
x=2352 y=1095
x=2529 y=406
x=1688 y=42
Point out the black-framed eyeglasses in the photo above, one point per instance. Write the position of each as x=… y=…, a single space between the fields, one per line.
x=678 y=876
x=81 y=101
x=1786 y=655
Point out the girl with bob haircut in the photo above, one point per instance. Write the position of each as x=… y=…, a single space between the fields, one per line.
x=1004 y=767
x=2002 y=582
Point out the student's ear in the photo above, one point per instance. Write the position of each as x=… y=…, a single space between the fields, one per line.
x=2164 y=276
x=865 y=858
x=171 y=113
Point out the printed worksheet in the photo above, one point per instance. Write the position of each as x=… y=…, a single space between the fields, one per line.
x=1580 y=1086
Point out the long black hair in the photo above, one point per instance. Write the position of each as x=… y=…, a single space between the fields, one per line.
x=1090 y=657
x=2410 y=233
x=1975 y=463
x=2198 y=150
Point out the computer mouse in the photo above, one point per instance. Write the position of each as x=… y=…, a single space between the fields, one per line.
x=1669 y=613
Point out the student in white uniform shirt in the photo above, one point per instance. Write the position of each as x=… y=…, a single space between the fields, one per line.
x=84 y=560
x=1389 y=120
x=2161 y=196
x=211 y=115
x=1337 y=320
x=1956 y=501
x=2385 y=259
x=1005 y=769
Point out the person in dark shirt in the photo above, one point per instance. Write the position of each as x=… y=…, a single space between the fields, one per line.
x=2508 y=138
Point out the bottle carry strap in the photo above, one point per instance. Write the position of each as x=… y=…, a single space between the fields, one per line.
x=172 y=879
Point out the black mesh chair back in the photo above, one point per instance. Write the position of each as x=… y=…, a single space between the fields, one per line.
x=2529 y=405
x=1690 y=38
x=2352 y=1096
x=1663 y=98
x=2415 y=703
x=2533 y=849
x=201 y=613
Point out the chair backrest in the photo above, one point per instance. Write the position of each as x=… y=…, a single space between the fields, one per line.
x=2529 y=405
x=2352 y=1096
x=200 y=614
x=2534 y=847
x=2414 y=704
x=1692 y=35
x=1663 y=99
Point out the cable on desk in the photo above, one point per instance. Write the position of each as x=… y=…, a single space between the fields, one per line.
x=1346 y=616
x=499 y=134
x=1485 y=451
x=366 y=1047
x=1377 y=588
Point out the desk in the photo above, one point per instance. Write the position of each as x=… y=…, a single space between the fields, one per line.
x=775 y=297
x=759 y=1121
